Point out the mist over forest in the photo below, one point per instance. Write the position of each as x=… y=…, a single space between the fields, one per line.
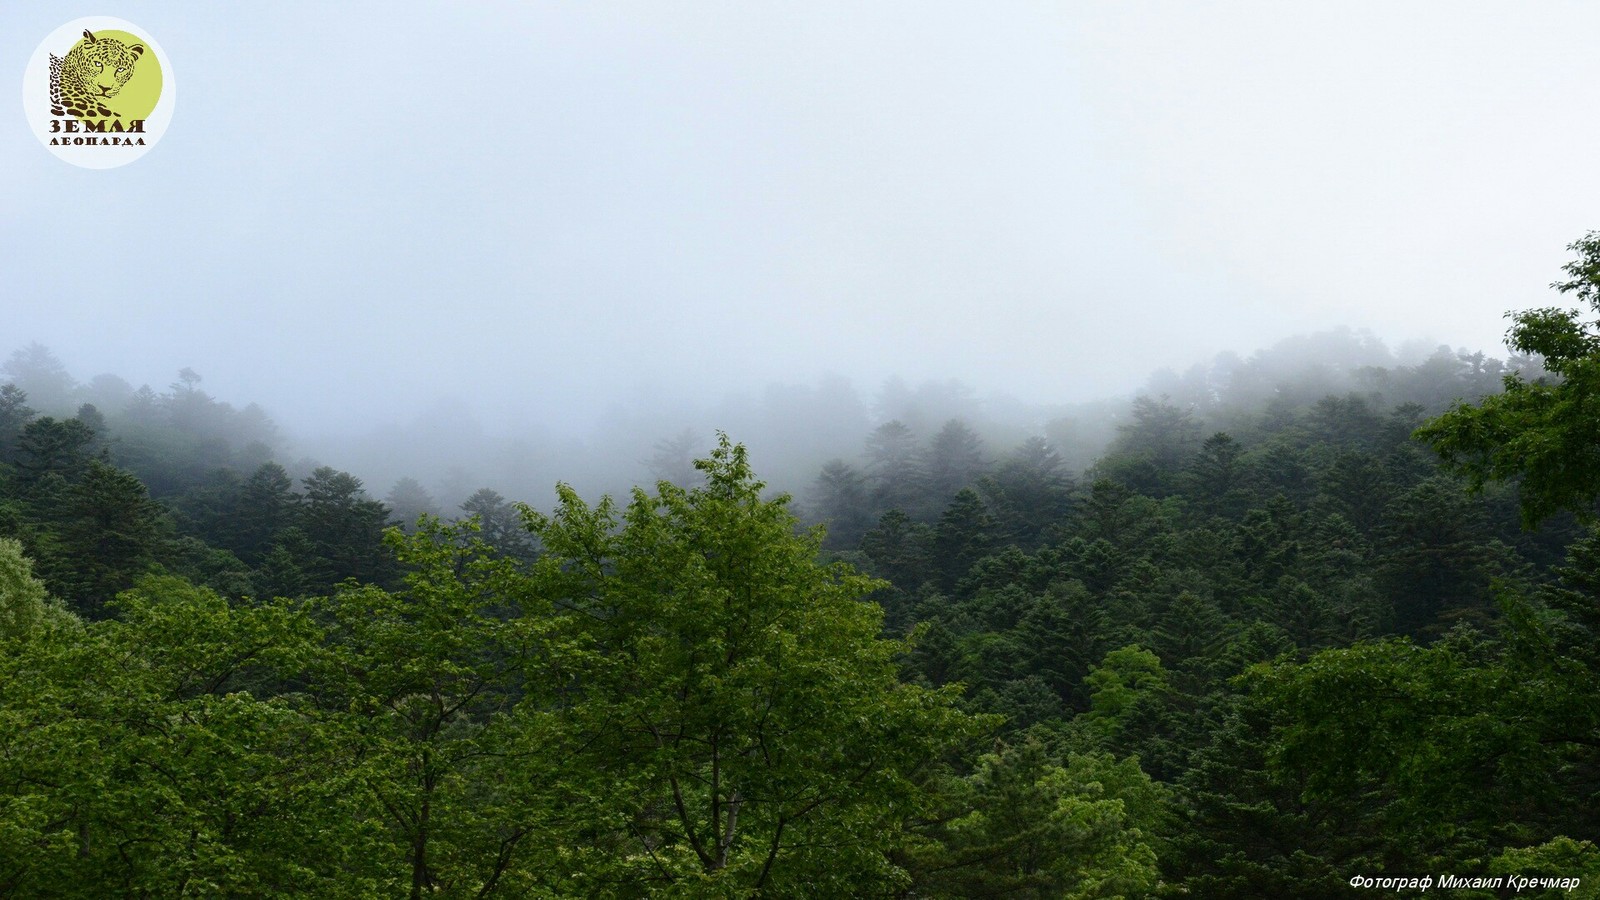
x=791 y=429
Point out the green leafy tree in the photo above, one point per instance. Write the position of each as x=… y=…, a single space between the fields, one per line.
x=1420 y=736
x=1024 y=826
x=25 y=605
x=442 y=691
x=1561 y=857
x=741 y=693
x=1544 y=432
x=136 y=761
x=1123 y=679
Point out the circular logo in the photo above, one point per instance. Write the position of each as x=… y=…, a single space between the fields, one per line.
x=99 y=92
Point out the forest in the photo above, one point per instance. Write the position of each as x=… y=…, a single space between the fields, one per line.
x=1294 y=625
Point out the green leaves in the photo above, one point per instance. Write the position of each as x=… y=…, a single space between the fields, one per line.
x=1545 y=432
x=1024 y=825
x=132 y=759
x=741 y=690
x=1436 y=742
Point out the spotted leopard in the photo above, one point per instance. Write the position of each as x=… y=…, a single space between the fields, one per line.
x=92 y=73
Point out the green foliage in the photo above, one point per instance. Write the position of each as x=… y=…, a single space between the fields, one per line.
x=110 y=533
x=134 y=760
x=1544 y=432
x=677 y=696
x=1024 y=826
x=1124 y=678
x=1028 y=492
x=15 y=414
x=953 y=460
x=740 y=693
x=499 y=523
x=441 y=693
x=840 y=501
x=1560 y=857
x=25 y=606
x=345 y=529
x=1439 y=742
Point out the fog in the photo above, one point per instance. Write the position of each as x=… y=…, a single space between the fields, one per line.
x=507 y=243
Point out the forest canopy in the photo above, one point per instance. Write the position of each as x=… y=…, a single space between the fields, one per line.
x=1284 y=596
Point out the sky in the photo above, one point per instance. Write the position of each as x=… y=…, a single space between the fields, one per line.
x=545 y=210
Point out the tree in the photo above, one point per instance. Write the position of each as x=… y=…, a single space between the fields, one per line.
x=963 y=536
x=54 y=446
x=1029 y=492
x=408 y=500
x=95 y=421
x=193 y=785
x=952 y=461
x=109 y=534
x=345 y=528
x=1414 y=737
x=1216 y=475
x=1545 y=432
x=264 y=506
x=1356 y=487
x=900 y=550
x=739 y=692
x=15 y=414
x=1024 y=826
x=1062 y=636
x=37 y=371
x=893 y=465
x=839 y=500
x=1152 y=449
x=25 y=605
x=1126 y=677
x=443 y=691
x=499 y=523
x=1435 y=558
x=1188 y=634
x=1249 y=830
x=1345 y=421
